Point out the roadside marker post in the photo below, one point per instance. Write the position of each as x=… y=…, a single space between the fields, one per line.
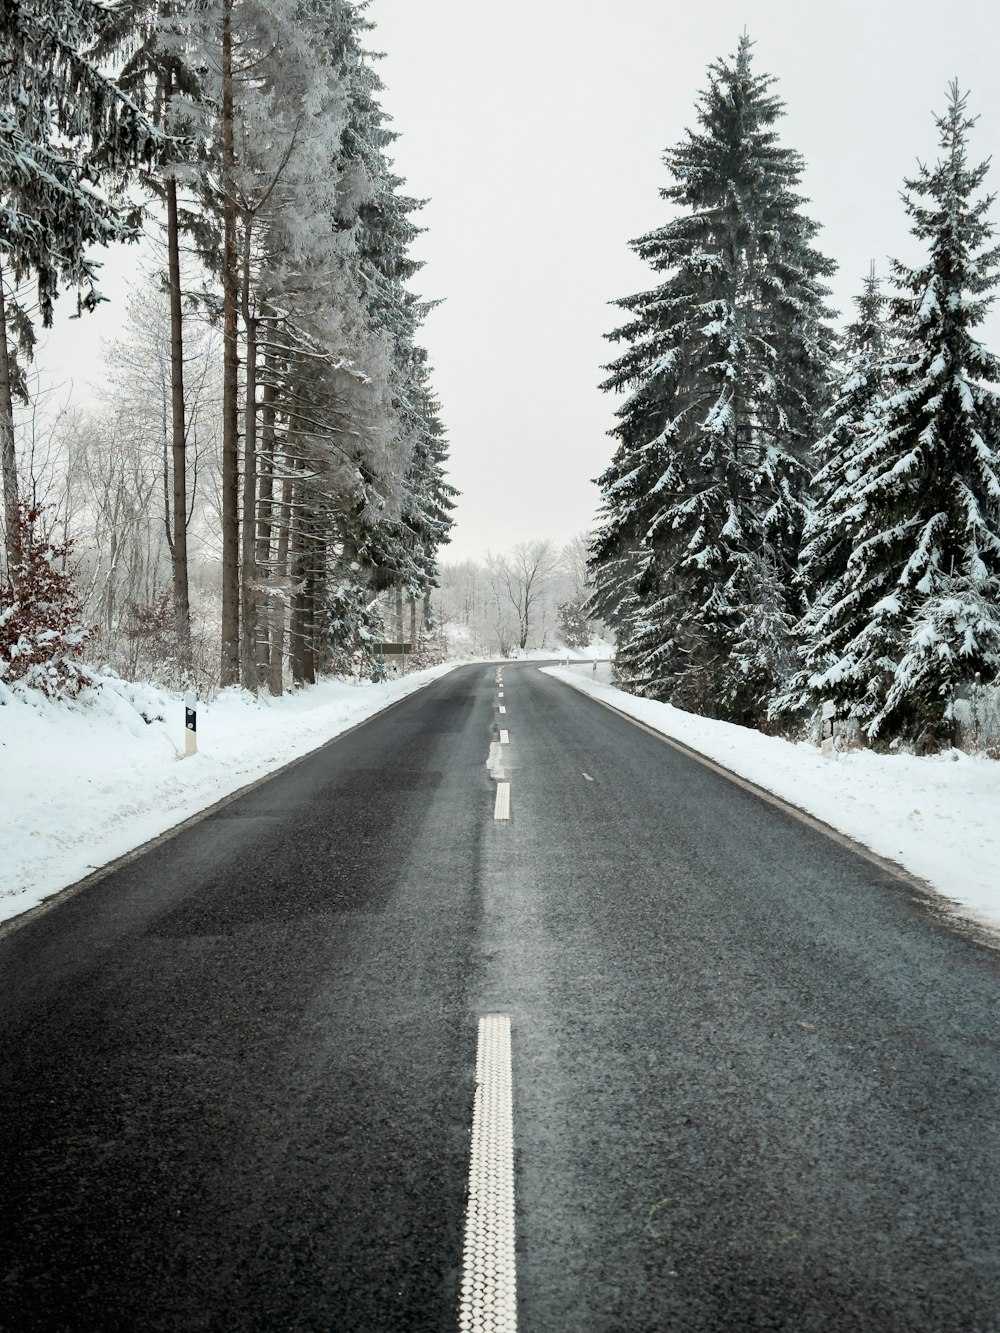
x=190 y=724
x=826 y=737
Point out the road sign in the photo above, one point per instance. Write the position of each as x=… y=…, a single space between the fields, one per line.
x=392 y=649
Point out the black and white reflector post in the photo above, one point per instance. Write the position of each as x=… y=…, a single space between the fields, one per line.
x=826 y=737
x=190 y=724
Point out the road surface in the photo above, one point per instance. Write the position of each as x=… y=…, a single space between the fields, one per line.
x=756 y=1080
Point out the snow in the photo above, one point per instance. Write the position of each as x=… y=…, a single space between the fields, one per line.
x=934 y=816
x=83 y=783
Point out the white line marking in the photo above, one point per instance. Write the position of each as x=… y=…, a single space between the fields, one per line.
x=504 y=737
x=500 y=695
x=501 y=807
x=502 y=709
x=489 y=1287
x=588 y=777
x=494 y=763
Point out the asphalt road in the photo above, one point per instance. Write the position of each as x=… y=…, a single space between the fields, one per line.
x=756 y=1078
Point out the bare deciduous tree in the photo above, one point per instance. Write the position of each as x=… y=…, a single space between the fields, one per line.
x=522 y=577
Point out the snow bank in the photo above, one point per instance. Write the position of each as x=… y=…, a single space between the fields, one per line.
x=935 y=816
x=82 y=783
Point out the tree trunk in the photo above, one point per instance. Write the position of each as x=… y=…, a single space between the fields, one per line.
x=8 y=459
x=178 y=546
x=279 y=573
x=296 y=626
x=413 y=623
x=265 y=513
x=311 y=560
x=399 y=610
x=248 y=573
x=230 y=656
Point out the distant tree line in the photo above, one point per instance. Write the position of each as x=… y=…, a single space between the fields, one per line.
x=792 y=516
x=530 y=597
x=270 y=414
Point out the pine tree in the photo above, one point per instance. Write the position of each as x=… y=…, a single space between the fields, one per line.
x=915 y=612
x=63 y=120
x=860 y=384
x=575 y=629
x=725 y=368
x=394 y=540
x=66 y=131
x=403 y=552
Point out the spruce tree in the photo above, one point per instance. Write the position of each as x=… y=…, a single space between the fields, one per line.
x=703 y=504
x=394 y=545
x=67 y=131
x=914 y=614
x=859 y=386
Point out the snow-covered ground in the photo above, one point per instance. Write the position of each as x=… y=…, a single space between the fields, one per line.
x=84 y=783
x=938 y=817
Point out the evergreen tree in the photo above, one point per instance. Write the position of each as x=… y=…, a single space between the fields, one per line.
x=63 y=122
x=915 y=612
x=725 y=368
x=393 y=542
x=575 y=629
x=402 y=551
x=859 y=387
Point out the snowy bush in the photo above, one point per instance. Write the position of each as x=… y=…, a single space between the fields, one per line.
x=976 y=719
x=42 y=633
x=351 y=624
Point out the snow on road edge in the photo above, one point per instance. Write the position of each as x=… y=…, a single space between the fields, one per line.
x=82 y=784
x=935 y=816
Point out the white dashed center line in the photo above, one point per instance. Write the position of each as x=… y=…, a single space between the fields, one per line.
x=588 y=777
x=502 y=709
x=501 y=807
x=489 y=1289
x=504 y=737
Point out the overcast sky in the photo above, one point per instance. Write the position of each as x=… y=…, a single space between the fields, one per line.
x=535 y=129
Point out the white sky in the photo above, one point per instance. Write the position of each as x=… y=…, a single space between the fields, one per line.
x=535 y=129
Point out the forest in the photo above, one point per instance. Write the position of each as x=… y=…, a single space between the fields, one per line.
x=269 y=458
x=797 y=515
